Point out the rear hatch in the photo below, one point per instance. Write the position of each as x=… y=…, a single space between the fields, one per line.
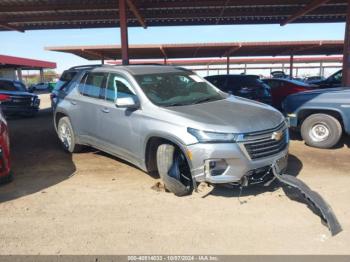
x=20 y=99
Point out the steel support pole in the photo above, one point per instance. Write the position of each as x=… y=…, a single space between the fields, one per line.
x=19 y=74
x=124 y=32
x=291 y=64
x=228 y=64
x=346 y=52
x=42 y=75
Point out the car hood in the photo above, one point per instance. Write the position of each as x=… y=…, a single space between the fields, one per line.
x=233 y=114
x=316 y=92
x=293 y=102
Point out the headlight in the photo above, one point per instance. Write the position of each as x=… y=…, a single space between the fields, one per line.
x=212 y=137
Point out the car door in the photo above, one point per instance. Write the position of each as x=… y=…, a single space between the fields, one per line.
x=277 y=89
x=87 y=103
x=119 y=127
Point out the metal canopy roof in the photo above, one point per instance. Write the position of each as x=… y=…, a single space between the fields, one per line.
x=24 y=63
x=54 y=14
x=113 y=52
x=238 y=61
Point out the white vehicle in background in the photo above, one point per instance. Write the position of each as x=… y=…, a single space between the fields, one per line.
x=42 y=86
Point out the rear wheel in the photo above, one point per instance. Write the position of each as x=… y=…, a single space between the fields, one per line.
x=321 y=130
x=66 y=135
x=174 y=170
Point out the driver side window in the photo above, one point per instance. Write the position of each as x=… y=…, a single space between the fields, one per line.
x=117 y=87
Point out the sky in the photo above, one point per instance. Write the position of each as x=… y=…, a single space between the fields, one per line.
x=31 y=44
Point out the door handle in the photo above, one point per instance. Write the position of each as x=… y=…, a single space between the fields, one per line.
x=73 y=102
x=105 y=110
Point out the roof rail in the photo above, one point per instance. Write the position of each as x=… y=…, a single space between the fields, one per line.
x=183 y=69
x=146 y=64
x=89 y=66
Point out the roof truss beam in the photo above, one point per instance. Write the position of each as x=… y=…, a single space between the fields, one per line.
x=11 y=28
x=295 y=51
x=198 y=14
x=108 y=5
x=305 y=10
x=96 y=54
x=231 y=50
x=136 y=13
x=163 y=52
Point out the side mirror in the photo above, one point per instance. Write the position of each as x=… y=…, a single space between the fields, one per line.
x=127 y=102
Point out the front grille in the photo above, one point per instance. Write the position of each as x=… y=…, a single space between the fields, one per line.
x=267 y=146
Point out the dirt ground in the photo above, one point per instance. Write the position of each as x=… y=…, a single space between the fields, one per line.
x=93 y=203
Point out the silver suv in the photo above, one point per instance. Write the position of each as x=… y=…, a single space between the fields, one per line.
x=169 y=120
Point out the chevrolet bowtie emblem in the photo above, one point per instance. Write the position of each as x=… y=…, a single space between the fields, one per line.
x=277 y=136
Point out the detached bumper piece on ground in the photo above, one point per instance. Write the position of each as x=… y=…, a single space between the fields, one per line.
x=313 y=197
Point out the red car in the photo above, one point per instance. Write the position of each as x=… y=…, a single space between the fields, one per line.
x=281 y=88
x=5 y=172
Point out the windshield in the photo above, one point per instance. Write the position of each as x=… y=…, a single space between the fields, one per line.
x=20 y=86
x=176 y=89
x=12 y=86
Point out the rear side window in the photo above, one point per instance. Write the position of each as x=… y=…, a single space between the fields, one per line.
x=7 y=86
x=117 y=87
x=92 y=84
x=64 y=80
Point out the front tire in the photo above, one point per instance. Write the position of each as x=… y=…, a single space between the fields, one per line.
x=321 y=130
x=174 y=170
x=66 y=135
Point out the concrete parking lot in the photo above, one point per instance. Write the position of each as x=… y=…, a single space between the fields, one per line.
x=94 y=203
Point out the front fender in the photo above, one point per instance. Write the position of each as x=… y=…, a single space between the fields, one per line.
x=170 y=137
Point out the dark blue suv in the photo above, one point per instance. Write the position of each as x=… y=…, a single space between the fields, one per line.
x=16 y=100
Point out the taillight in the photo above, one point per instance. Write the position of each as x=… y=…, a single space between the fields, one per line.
x=4 y=98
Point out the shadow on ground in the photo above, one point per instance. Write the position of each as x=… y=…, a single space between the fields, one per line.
x=38 y=161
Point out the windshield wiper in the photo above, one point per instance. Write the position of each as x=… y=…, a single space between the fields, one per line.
x=177 y=104
x=208 y=99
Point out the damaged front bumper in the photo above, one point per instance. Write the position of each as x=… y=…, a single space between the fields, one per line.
x=311 y=197
x=230 y=163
